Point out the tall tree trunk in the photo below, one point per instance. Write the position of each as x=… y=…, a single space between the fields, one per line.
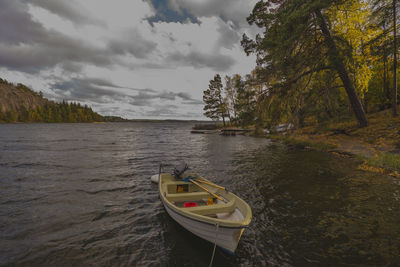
x=386 y=92
x=234 y=109
x=228 y=113
x=337 y=62
x=394 y=105
x=223 y=114
x=222 y=108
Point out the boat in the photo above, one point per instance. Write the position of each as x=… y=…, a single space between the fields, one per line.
x=207 y=210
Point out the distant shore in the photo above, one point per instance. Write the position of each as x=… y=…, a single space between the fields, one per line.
x=377 y=146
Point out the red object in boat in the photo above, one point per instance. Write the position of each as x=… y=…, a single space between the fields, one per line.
x=190 y=204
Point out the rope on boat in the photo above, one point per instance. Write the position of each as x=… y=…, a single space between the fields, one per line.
x=215 y=245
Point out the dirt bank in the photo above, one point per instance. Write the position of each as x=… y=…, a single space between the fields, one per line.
x=378 y=145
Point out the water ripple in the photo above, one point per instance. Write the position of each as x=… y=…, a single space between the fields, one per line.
x=79 y=194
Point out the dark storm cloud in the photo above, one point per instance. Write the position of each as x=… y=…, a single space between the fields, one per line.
x=78 y=89
x=96 y=89
x=57 y=49
x=99 y=82
x=26 y=45
x=70 y=10
x=17 y=25
x=188 y=99
x=145 y=97
x=196 y=59
x=102 y=91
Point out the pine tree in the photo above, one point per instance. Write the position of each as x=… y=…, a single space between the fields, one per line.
x=297 y=42
x=246 y=99
x=215 y=106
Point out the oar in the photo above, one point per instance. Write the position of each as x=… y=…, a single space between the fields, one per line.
x=205 y=182
x=205 y=189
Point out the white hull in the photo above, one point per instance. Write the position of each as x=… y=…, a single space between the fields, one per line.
x=222 y=222
x=225 y=237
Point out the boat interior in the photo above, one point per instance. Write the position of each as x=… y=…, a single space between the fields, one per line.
x=192 y=198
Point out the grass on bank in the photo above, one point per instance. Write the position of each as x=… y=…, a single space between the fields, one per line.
x=383 y=130
x=385 y=160
x=385 y=163
x=287 y=139
x=381 y=138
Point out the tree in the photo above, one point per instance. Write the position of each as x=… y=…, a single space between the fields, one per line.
x=386 y=12
x=215 y=106
x=246 y=99
x=395 y=112
x=297 y=42
x=230 y=97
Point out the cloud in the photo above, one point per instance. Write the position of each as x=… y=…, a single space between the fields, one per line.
x=133 y=43
x=228 y=10
x=163 y=12
x=76 y=89
x=164 y=111
x=95 y=89
x=228 y=36
x=197 y=59
x=57 y=49
x=106 y=53
x=145 y=95
x=184 y=96
x=103 y=91
x=26 y=45
x=70 y=10
x=17 y=26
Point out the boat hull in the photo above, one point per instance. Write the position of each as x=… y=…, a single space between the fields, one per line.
x=226 y=238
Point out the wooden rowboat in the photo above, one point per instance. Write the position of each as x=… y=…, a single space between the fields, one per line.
x=205 y=209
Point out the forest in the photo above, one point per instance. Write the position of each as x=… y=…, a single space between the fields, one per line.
x=317 y=62
x=21 y=104
x=53 y=112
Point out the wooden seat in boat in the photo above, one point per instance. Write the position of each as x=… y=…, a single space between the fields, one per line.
x=213 y=209
x=187 y=196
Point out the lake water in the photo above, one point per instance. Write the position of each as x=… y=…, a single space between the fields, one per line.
x=80 y=194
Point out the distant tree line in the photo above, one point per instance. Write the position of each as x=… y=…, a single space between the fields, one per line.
x=317 y=61
x=48 y=111
x=52 y=112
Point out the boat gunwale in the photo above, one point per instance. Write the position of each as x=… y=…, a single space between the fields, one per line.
x=208 y=220
x=205 y=222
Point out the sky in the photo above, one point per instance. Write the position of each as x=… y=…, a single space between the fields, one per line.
x=149 y=59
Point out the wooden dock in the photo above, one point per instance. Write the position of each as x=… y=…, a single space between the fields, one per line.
x=234 y=131
x=203 y=131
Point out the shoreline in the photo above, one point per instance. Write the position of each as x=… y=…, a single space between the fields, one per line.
x=379 y=159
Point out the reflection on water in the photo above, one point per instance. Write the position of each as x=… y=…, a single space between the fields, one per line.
x=80 y=193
